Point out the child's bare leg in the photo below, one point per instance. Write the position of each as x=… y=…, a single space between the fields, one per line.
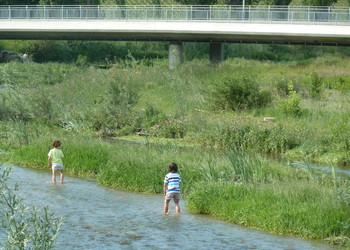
x=53 y=176
x=166 y=206
x=62 y=175
x=177 y=207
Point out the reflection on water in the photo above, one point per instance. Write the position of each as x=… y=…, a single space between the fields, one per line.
x=325 y=169
x=102 y=218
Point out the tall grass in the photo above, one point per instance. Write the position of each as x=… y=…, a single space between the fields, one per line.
x=179 y=104
x=301 y=207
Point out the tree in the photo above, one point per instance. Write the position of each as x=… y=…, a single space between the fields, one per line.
x=240 y=2
x=112 y=2
x=197 y=2
x=20 y=2
x=69 y=2
x=318 y=2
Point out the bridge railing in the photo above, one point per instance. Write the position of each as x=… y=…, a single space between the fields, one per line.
x=215 y=13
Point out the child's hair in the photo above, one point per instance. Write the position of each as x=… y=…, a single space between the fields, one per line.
x=56 y=143
x=172 y=167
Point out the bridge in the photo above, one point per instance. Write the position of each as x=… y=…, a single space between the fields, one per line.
x=217 y=24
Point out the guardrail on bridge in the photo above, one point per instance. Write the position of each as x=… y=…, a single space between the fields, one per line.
x=213 y=13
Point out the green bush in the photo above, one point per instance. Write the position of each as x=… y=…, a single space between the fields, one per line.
x=316 y=85
x=291 y=105
x=172 y=128
x=26 y=228
x=152 y=116
x=239 y=92
x=115 y=109
x=271 y=139
x=81 y=60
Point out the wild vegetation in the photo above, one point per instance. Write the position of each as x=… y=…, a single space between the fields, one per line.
x=25 y=227
x=220 y=106
x=194 y=116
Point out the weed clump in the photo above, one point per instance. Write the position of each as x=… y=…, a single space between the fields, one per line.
x=239 y=92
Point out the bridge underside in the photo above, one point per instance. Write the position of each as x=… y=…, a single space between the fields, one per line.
x=177 y=32
x=241 y=32
x=233 y=38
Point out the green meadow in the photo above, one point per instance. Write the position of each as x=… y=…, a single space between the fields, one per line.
x=124 y=124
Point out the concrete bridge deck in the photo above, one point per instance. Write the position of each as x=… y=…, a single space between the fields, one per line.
x=179 y=31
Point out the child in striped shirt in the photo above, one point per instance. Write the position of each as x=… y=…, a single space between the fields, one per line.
x=172 y=188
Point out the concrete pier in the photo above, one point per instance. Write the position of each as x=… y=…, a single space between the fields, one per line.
x=216 y=53
x=175 y=54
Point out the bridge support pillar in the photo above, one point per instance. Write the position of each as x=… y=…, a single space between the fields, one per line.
x=175 y=54
x=216 y=52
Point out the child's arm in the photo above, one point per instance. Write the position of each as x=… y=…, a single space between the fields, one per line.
x=165 y=188
x=49 y=161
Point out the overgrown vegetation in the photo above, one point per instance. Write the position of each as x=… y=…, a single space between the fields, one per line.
x=218 y=107
x=25 y=227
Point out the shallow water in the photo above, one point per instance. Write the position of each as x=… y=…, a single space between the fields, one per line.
x=101 y=218
x=325 y=169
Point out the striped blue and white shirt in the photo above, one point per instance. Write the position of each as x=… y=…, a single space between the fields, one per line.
x=173 y=180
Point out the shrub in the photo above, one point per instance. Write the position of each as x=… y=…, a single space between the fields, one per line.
x=152 y=116
x=24 y=226
x=291 y=105
x=115 y=109
x=172 y=128
x=81 y=60
x=316 y=85
x=239 y=92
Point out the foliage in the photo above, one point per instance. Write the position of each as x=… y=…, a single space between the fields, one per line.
x=172 y=128
x=318 y=2
x=93 y=52
x=316 y=85
x=291 y=105
x=197 y=2
x=26 y=228
x=116 y=108
x=81 y=60
x=239 y=92
x=288 y=207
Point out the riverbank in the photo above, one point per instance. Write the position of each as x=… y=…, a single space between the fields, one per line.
x=306 y=103
x=246 y=190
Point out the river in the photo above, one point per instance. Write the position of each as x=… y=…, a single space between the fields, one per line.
x=97 y=217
